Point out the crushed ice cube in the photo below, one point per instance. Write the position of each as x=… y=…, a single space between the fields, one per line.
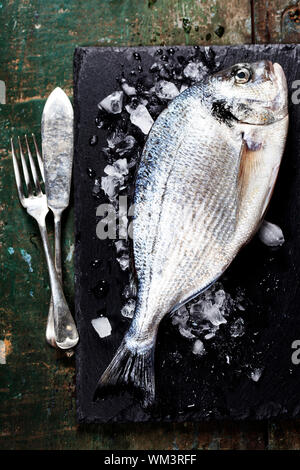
x=96 y=188
x=256 y=374
x=115 y=179
x=128 y=309
x=115 y=138
x=237 y=328
x=195 y=71
x=130 y=290
x=123 y=224
x=102 y=326
x=166 y=90
x=126 y=145
x=180 y=317
x=118 y=169
x=120 y=246
x=112 y=103
x=128 y=90
x=124 y=261
x=211 y=310
x=270 y=234
x=204 y=314
x=109 y=187
x=212 y=332
x=198 y=348
x=140 y=117
x=186 y=332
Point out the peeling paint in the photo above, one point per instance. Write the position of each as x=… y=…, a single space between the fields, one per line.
x=71 y=252
x=27 y=258
x=8 y=345
x=11 y=250
x=2 y=352
x=2 y=92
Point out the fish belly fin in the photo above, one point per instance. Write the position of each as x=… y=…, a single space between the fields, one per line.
x=130 y=370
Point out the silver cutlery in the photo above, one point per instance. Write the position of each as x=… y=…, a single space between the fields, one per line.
x=35 y=202
x=57 y=151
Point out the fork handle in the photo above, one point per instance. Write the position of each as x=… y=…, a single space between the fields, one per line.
x=64 y=326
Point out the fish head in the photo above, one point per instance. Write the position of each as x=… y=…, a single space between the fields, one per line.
x=253 y=93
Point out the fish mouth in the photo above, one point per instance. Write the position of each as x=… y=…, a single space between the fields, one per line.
x=280 y=103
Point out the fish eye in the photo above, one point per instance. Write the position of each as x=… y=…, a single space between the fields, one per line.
x=242 y=75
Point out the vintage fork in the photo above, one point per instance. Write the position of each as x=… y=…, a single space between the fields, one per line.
x=36 y=205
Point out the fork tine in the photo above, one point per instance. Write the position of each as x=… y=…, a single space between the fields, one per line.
x=17 y=173
x=33 y=168
x=39 y=158
x=25 y=170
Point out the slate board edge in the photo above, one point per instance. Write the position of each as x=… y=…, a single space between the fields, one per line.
x=79 y=55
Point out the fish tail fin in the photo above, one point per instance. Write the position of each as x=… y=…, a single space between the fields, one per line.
x=131 y=370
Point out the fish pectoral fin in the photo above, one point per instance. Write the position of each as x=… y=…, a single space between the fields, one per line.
x=132 y=371
x=248 y=166
x=249 y=172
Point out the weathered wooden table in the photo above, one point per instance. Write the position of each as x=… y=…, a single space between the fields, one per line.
x=37 y=40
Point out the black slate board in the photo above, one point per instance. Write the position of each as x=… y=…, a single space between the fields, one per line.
x=189 y=387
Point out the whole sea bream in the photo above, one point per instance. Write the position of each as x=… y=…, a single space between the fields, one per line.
x=204 y=182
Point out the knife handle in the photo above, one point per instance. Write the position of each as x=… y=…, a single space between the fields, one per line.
x=66 y=335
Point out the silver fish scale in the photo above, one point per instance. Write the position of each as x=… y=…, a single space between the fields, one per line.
x=186 y=206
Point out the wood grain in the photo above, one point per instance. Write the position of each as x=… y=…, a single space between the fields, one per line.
x=37 y=40
x=277 y=21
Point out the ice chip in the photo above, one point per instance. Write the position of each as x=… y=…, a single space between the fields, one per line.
x=126 y=145
x=256 y=374
x=237 y=328
x=112 y=103
x=198 y=348
x=180 y=317
x=121 y=166
x=166 y=90
x=220 y=297
x=123 y=226
x=195 y=71
x=124 y=261
x=120 y=246
x=141 y=118
x=212 y=312
x=96 y=187
x=118 y=169
x=130 y=290
x=128 y=309
x=109 y=186
x=128 y=90
x=212 y=333
x=270 y=234
x=186 y=332
x=115 y=178
x=115 y=138
x=102 y=326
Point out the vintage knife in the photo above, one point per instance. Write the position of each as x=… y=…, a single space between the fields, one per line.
x=57 y=150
